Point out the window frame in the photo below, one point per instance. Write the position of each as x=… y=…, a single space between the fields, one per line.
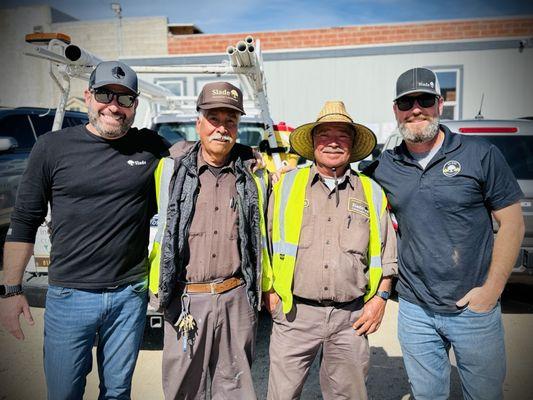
x=458 y=102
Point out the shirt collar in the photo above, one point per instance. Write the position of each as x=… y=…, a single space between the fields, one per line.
x=203 y=166
x=348 y=176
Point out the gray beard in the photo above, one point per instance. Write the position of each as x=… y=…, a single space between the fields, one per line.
x=425 y=135
x=116 y=133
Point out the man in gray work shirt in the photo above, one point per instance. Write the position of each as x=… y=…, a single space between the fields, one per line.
x=443 y=189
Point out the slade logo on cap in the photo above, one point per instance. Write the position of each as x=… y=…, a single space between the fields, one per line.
x=225 y=92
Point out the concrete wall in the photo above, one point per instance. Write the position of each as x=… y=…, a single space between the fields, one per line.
x=24 y=81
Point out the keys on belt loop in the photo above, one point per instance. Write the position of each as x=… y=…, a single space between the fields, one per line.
x=186 y=324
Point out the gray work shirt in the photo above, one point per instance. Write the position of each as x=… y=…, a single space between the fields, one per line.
x=445 y=236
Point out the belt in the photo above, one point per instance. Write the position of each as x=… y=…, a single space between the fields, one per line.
x=325 y=303
x=214 y=287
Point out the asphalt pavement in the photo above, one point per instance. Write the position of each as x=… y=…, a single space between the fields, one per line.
x=22 y=378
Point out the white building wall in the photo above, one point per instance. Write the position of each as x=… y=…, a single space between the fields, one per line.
x=23 y=80
x=298 y=88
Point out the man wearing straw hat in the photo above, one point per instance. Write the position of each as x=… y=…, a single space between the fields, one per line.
x=333 y=256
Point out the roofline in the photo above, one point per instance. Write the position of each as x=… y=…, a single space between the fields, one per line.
x=379 y=24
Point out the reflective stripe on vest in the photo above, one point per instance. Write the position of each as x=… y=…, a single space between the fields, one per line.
x=289 y=198
x=162 y=175
x=260 y=179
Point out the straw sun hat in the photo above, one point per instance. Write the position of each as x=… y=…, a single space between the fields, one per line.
x=333 y=111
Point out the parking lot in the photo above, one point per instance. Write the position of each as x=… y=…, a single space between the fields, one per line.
x=22 y=375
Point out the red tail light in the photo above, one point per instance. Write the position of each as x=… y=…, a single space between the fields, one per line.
x=489 y=129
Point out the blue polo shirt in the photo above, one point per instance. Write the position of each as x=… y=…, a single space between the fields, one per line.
x=445 y=236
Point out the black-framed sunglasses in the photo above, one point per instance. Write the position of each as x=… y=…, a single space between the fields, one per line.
x=105 y=96
x=425 y=100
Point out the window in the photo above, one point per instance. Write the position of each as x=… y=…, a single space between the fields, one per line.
x=176 y=86
x=18 y=127
x=449 y=80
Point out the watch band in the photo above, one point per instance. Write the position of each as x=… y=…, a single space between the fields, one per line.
x=10 y=290
x=383 y=294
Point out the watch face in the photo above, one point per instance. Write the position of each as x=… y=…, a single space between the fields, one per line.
x=384 y=295
x=2 y=290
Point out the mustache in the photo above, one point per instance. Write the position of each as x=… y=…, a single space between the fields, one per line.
x=334 y=150
x=219 y=136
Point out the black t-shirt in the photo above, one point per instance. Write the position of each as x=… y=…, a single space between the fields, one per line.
x=102 y=197
x=445 y=237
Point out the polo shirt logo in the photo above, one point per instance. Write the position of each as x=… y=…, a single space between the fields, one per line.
x=306 y=203
x=451 y=168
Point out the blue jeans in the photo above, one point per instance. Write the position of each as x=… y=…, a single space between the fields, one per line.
x=72 y=320
x=478 y=344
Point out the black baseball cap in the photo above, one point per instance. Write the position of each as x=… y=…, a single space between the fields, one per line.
x=417 y=80
x=220 y=95
x=113 y=73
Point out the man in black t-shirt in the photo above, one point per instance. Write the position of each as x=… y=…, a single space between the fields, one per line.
x=443 y=189
x=99 y=182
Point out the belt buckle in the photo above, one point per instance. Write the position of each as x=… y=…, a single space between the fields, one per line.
x=213 y=289
x=327 y=303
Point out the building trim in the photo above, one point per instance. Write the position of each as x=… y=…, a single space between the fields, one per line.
x=359 y=51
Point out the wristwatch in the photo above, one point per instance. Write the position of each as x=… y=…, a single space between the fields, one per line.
x=10 y=290
x=383 y=294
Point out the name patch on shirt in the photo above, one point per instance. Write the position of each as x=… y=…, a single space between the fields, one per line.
x=358 y=207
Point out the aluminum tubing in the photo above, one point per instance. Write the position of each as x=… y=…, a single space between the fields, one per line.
x=78 y=56
x=252 y=53
x=249 y=40
x=242 y=49
x=232 y=56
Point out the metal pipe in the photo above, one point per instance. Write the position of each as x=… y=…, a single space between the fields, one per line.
x=79 y=56
x=249 y=39
x=230 y=50
x=242 y=49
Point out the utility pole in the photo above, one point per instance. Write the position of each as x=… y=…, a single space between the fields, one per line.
x=116 y=7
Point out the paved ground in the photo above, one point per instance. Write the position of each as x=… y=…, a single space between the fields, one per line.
x=21 y=376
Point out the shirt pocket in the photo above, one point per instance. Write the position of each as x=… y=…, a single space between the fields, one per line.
x=306 y=236
x=456 y=194
x=199 y=220
x=355 y=234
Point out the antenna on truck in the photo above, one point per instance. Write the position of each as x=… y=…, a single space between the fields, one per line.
x=479 y=115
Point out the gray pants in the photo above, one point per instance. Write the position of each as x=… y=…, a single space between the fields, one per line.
x=224 y=345
x=298 y=337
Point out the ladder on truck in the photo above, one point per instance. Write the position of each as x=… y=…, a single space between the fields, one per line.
x=245 y=60
x=68 y=61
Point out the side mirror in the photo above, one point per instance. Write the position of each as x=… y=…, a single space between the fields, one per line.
x=8 y=143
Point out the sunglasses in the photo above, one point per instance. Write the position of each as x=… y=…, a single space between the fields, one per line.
x=105 y=96
x=426 y=100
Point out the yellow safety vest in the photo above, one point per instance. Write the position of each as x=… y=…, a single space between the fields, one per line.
x=289 y=198
x=163 y=175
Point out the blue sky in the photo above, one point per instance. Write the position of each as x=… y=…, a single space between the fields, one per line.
x=216 y=16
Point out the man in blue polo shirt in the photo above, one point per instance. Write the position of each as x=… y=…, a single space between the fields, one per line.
x=443 y=189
